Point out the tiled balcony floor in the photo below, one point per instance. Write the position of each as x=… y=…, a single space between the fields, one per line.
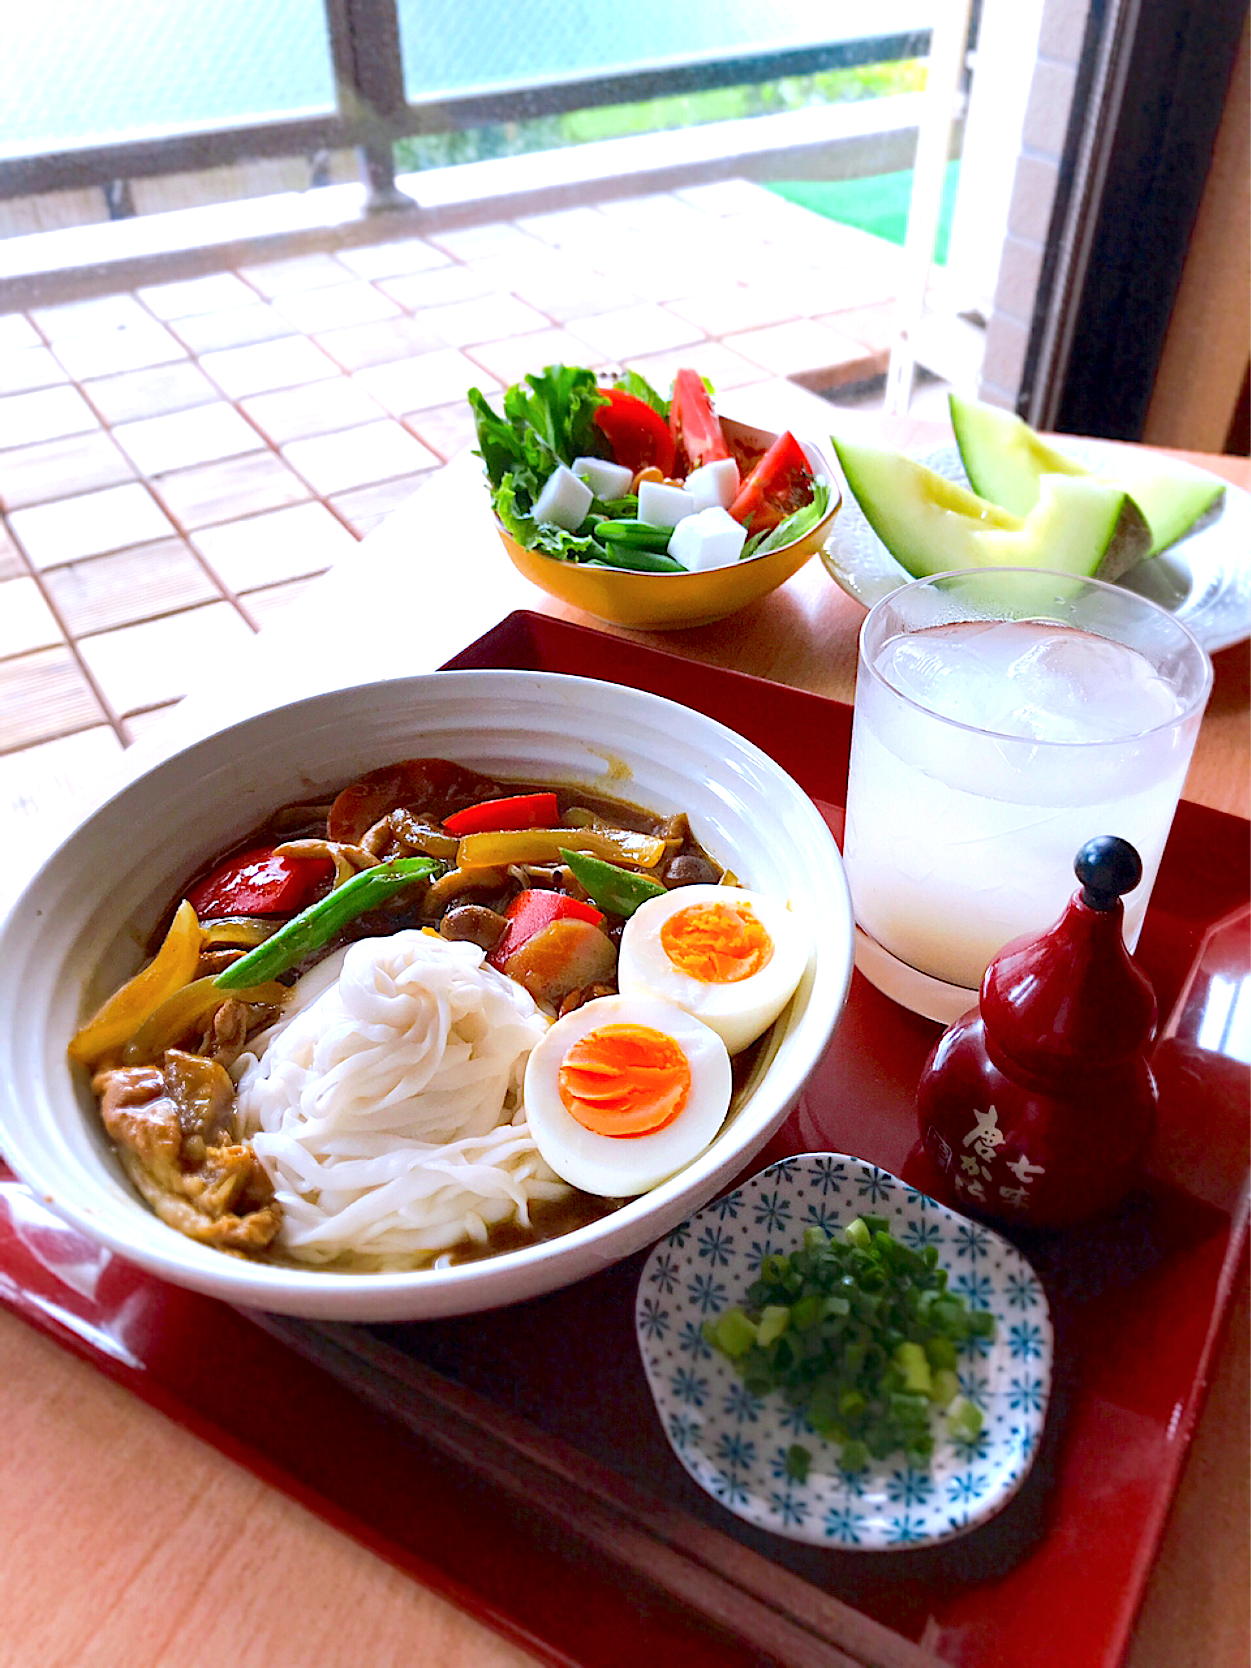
x=178 y=463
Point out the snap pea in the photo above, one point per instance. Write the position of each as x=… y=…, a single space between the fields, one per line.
x=616 y=890
x=317 y=924
x=639 y=561
x=637 y=535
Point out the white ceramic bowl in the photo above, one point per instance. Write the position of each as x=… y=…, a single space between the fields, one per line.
x=78 y=929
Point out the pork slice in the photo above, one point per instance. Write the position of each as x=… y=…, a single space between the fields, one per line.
x=230 y=1178
x=140 y=1116
x=229 y=1232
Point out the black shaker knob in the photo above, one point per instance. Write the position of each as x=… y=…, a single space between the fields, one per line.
x=1106 y=866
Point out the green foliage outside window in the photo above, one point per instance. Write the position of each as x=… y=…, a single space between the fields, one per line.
x=658 y=115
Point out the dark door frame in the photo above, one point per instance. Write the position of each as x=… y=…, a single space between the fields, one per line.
x=1151 y=88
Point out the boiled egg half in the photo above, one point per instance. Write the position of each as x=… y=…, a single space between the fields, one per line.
x=726 y=955
x=625 y=1091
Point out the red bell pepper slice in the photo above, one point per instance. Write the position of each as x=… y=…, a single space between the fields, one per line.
x=639 y=436
x=259 y=882
x=523 y=810
x=529 y=912
x=694 y=425
x=780 y=484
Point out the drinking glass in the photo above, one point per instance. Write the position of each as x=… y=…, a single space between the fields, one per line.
x=1002 y=719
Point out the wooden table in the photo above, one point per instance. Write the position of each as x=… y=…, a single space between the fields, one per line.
x=111 y=1515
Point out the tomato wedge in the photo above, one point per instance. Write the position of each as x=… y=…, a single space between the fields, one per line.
x=529 y=912
x=639 y=436
x=693 y=424
x=780 y=484
x=259 y=882
x=523 y=810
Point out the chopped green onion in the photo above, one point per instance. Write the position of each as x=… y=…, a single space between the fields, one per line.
x=861 y=1333
x=945 y=1388
x=910 y=1359
x=733 y=1333
x=964 y=1420
x=798 y=1460
x=773 y=1323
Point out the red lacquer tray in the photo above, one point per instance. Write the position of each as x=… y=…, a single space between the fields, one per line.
x=514 y=1460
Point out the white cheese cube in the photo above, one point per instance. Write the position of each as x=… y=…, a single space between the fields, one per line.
x=714 y=483
x=664 y=506
x=564 y=500
x=606 y=480
x=709 y=539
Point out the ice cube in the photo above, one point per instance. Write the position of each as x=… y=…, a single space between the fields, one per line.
x=957 y=672
x=1075 y=686
x=1021 y=678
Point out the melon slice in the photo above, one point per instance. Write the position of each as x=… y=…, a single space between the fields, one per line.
x=930 y=525
x=1006 y=461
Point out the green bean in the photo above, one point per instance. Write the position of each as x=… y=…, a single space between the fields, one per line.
x=639 y=561
x=636 y=535
x=318 y=924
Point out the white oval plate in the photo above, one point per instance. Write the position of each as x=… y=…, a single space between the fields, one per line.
x=733 y=1443
x=1204 y=579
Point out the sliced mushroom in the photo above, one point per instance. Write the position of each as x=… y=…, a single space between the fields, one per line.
x=421 y=836
x=474 y=924
x=455 y=883
x=585 y=993
x=229 y=1033
x=691 y=868
x=348 y=859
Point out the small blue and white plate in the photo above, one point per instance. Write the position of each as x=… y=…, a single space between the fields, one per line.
x=734 y=1442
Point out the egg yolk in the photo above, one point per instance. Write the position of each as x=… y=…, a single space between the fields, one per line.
x=718 y=944
x=624 y=1080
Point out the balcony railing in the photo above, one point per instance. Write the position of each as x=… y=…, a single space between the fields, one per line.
x=241 y=80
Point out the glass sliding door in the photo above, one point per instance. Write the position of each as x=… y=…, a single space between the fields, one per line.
x=76 y=74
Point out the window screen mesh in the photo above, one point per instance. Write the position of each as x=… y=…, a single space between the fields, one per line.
x=452 y=47
x=89 y=72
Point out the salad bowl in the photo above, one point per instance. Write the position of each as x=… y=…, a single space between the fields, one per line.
x=670 y=601
x=596 y=547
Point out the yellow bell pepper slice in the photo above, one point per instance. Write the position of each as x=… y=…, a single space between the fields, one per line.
x=190 y=1009
x=125 y=1011
x=249 y=930
x=544 y=845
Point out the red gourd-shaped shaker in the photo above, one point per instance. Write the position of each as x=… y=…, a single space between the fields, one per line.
x=1036 y=1106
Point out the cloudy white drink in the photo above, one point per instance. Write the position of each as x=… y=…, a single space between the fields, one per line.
x=985 y=753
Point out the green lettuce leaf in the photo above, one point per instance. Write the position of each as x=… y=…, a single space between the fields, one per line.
x=543 y=536
x=559 y=404
x=632 y=383
x=511 y=448
x=798 y=523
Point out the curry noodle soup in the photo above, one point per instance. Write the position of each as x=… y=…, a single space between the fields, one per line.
x=439 y=1018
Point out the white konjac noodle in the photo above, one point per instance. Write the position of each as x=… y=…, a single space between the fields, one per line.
x=386 y=1104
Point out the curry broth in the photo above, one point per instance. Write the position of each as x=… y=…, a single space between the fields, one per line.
x=309 y=820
